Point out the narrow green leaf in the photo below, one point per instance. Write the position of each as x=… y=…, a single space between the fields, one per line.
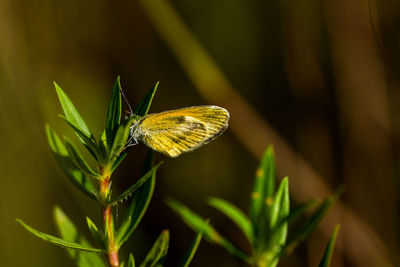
x=278 y=229
x=127 y=193
x=192 y=250
x=69 y=232
x=263 y=191
x=308 y=227
x=144 y=105
x=235 y=214
x=293 y=215
x=131 y=262
x=121 y=138
x=200 y=225
x=158 y=252
x=89 y=142
x=113 y=112
x=78 y=159
x=98 y=236
x=123 y=230
x=326 y=259
x=76 y=176
x=140 y=202
x=194 y=221
x=103 y=137
x=103 y=147
x=121 y=264
x=56 y=240
x=70 y=111
x=280 y=206
x=297 y=212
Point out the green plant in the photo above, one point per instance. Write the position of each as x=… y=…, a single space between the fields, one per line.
x=266 y=227
x=108 y=151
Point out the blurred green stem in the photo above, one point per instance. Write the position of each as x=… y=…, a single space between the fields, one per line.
x=108 y=220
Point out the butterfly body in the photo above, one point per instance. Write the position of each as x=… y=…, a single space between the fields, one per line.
x=176 y=131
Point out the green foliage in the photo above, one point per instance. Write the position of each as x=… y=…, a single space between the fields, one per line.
x=263 y=188
x=71 y=114
x=326 y=259
x=120 y=139
x=300 y=210
x=109 y=151
x=158 y=252
x=266 y=228
x=97 y=235
x=69 y=232
x=88 y=141
x=277 y=232
x=144 y=105
x=235 y=214
x=127 y=193
x=78 y=159
x=74 y=119
x=73 y=173
x=131 y=262
x=113 y=112
x=192 y=250
x=58 y=241
x=200 y=225
x=111 y=145
x=304 y=231
x=140 y=202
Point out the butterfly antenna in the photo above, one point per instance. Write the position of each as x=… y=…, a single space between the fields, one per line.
x=126 y=101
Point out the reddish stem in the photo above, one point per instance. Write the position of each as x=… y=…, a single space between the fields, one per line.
x=112 y=250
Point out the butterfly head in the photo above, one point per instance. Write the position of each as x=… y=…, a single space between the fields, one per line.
x=133 y=129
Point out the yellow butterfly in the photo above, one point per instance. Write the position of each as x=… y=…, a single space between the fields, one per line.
x=177 y=131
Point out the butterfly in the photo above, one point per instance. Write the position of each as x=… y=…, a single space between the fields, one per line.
x=177 y=131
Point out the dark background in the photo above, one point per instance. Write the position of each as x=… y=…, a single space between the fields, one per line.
x=317 y=79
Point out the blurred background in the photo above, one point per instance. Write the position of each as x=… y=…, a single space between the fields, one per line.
x=319 y=80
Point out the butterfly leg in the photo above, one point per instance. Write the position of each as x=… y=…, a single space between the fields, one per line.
x=132 y=142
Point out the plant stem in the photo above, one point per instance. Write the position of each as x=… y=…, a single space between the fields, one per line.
x=108 y=221
x=112 y=250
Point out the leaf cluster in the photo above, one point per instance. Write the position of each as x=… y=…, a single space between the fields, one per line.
x=108 y=151
x=266 y=226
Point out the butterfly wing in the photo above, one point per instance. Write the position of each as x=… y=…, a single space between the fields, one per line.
x=176 y=131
